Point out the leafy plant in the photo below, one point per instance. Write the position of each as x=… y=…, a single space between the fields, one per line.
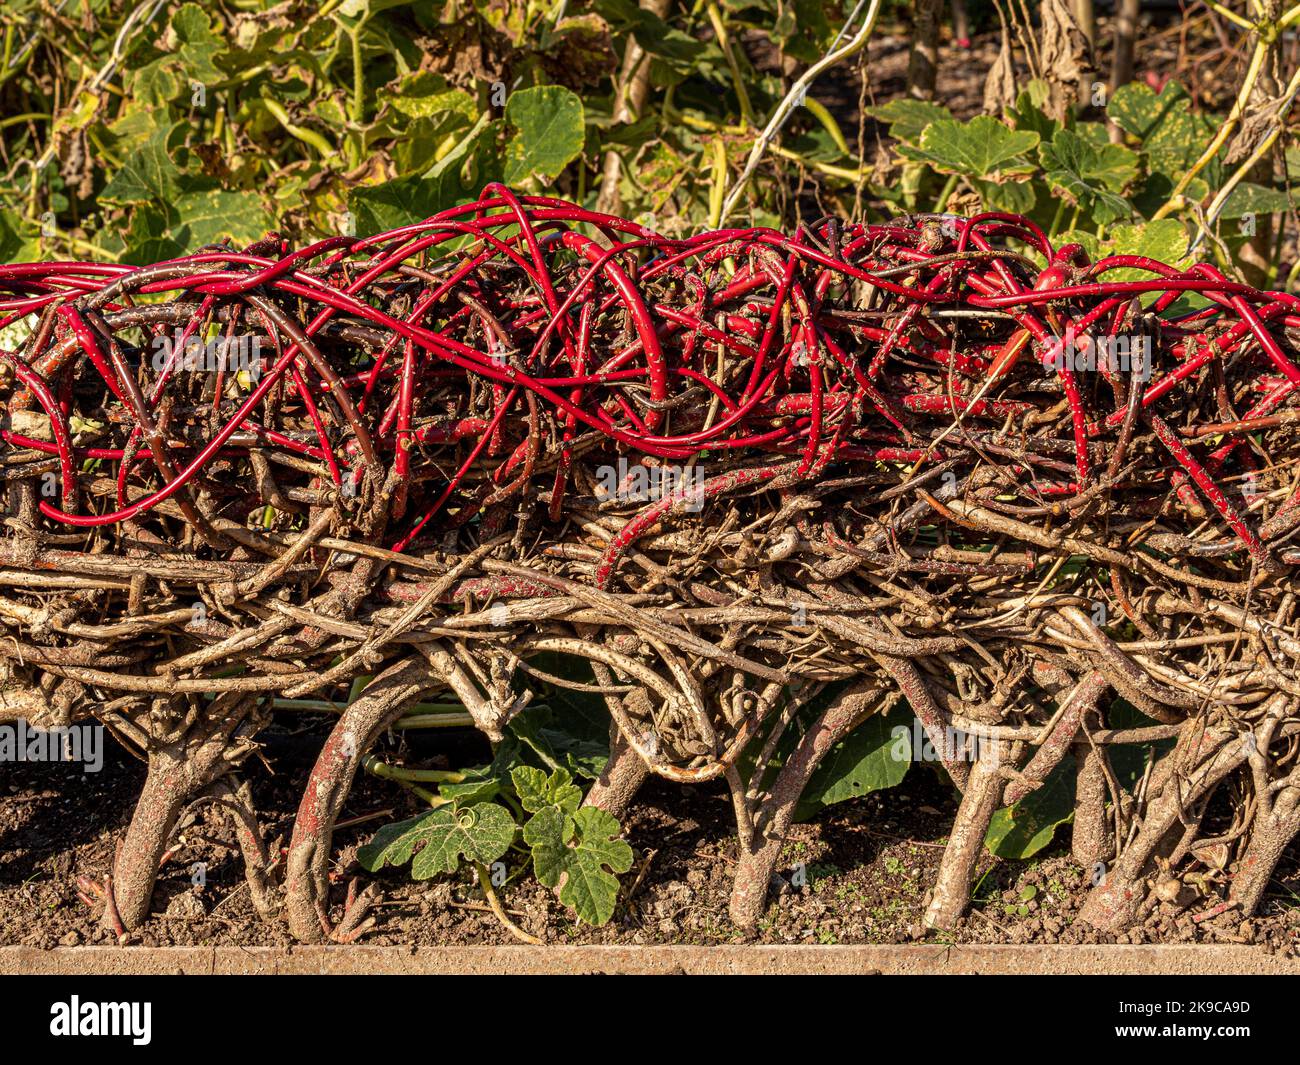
x=574 y=849
x=875 y=756
x=1024 y=828
x=184 y=125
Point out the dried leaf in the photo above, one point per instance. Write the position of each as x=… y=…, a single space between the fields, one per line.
x=1000 y=85
x=1065 y=57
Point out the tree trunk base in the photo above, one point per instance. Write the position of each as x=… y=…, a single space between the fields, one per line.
x=1268 y=842
x=1092 y=842
x=621 y=778
x=180 y=770
x=307 y=867
x=979 y=802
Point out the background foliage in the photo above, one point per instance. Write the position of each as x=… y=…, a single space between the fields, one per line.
x=135 y=132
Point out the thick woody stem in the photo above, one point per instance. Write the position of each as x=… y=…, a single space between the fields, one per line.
x=179 y=771
x=307 y=875
x=979 y=802
x=923 y=62
x=164 y=795
x=932 y=719
x=1092 y=841
x=621 y=778
x=758 y=855
x=1200 y=759
x=633 y=88
x=1082 y=700
x=238 y=800
x=1269 y=838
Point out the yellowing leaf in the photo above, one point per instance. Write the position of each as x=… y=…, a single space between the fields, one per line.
x=549 y=133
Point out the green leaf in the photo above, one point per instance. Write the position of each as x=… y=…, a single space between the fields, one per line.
x=350 y=11
x=582 y=864
x=197 y=48
x=874 y=756
x=424 y=94
x=481 y=784
x=1089 y=174
x=1136 y=108
x=1018 y=197
x=549 y=133
x=418 y=147
x=211 y=215
x=191 y=220
x=653 y=34
x=148 y=174
x=538 y=792
x=156 y=83
x=907 y=118
x=1026 y=827
x=457 y=176
x=10 y=241
x=1028 y=113
x=566 y=728
x=1164 y=240
x=802 y=28
x=981 y=148
x=134 y=128
x=508 y=19
x=1128 y=761
x=1171 y=135
x=198 y=44
x=1248 y=198
x=470 y=792
x=437 y=840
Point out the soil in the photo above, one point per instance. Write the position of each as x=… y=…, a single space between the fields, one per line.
x=859 y=873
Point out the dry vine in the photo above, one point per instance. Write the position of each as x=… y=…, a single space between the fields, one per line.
x=727 y=472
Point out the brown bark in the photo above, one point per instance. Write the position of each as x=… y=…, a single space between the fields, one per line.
x=1082 y=700
x=307 y=867
x=180 y=769
x=960 y=23
x=1086 y=17
x=621 y=778
x=1092 y=839
x=1124 y=40
x=1269 y=838
x=979 y=802
x=759 y=854
x=633 y=88
x=1200 y=760
x=238 y=800
x=914 y=689
x=1255 y=255
x=923 y=62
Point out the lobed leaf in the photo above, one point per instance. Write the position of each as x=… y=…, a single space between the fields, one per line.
x=581 y=862
x=435 y=841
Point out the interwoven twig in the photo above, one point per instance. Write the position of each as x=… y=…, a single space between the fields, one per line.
x=725 y=471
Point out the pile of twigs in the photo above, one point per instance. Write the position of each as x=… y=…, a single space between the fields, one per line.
x=731 y=474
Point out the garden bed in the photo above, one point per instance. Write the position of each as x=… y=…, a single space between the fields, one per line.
x=868 y=867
